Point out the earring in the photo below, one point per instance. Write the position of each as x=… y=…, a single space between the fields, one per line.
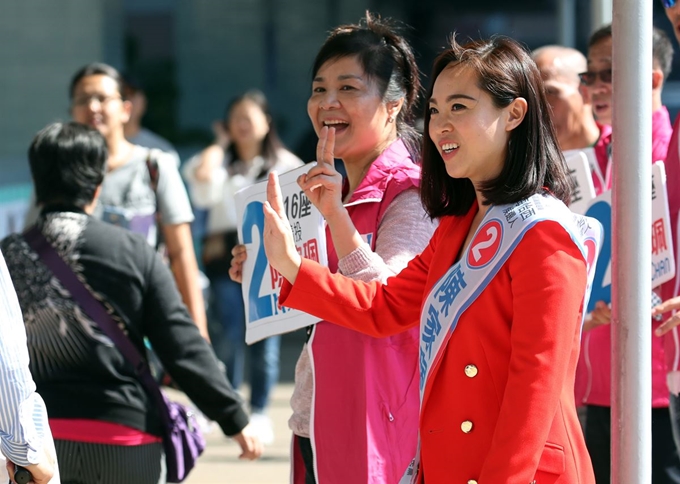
x=390 y=119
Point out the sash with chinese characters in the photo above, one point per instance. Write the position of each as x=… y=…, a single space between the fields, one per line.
x=498 y=234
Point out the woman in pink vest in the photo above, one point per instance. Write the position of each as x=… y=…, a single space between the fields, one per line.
x=593 y=381
x=355 y=404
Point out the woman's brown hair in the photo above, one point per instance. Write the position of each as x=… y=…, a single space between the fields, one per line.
x=533 y=162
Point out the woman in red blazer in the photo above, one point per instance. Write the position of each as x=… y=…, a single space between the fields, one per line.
x=499 y=292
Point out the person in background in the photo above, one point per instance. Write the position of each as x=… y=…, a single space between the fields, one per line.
x=571 y=109
x=143 y=190
x=576 y=129
x=214 y=176
x=571 y=114
x=25 y=437
x=597 y=81
x=595 y=359
x=499 y=291
x=112 y=427
x=670 y=291
x=355 y=403
x=135 y=133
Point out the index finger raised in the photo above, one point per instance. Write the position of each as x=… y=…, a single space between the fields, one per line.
x=274 y=196
x=326 y=146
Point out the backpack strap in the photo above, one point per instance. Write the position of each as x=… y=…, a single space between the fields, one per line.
x=94 y=308
x=152 y=167
x=154 y=175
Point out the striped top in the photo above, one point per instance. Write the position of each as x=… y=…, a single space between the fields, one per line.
x=23 y=417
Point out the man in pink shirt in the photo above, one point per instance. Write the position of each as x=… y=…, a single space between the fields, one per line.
x=596 y=341
x=572 y=113
x=670 y=291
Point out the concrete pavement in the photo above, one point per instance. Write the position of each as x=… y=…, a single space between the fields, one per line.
x=220 y=464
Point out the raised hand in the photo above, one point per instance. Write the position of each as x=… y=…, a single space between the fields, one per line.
x=323 y=184
x=279 y=244
x=666 y=306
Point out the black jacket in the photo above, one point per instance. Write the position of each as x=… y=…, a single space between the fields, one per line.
x=78 y=371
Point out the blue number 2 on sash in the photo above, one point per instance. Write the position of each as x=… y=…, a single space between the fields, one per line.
x=258 y=306
x=602 y=211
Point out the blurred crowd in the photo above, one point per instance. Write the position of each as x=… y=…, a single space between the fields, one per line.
x=114 y=202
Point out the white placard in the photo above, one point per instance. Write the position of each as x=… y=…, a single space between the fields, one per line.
x=663 y=255
x=261 y=283
x=583 y=190
x=663 y=260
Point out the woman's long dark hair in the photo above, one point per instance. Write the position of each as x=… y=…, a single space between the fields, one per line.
x=388 y=60
x=533 y=162
x=271 y=143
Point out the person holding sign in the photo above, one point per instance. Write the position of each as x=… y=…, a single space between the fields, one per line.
x=670 y=291
x=499 y=292
x=355 y=404
x=593 y=382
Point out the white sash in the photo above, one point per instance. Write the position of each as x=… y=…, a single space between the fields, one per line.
x=498 y=234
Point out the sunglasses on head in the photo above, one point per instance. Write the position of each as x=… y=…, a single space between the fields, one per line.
x=668 y=3
x=589 y=78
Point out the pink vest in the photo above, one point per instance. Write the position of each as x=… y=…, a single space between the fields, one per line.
x=672 y=287
x=602 y=180
x=593 y=374
x=365 y=409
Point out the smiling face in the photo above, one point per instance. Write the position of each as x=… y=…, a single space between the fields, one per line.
x=345 y=98
x=469 y=131
x=247 y=123
x=600 y=93
x=97 y=102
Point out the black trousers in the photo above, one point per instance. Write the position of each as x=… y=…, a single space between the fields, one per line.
x=85 y=463
x=307 y=457
x=665 y=462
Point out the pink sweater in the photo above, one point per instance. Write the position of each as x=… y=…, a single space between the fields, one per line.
x=593 y=375
x=403 y=234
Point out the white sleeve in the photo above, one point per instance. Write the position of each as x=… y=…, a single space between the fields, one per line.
x=23 y=417
x=204 y=194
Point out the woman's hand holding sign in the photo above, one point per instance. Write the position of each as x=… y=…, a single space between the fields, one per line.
x=322 y=184
x=239 y=256
x=279 y=243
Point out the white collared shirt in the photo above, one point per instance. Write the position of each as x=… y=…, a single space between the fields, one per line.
x=23 y=417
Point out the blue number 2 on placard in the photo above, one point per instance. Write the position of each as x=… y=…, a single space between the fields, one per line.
x=259 y=307
x=602 y=211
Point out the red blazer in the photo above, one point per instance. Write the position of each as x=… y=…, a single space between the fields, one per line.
x=508 y=369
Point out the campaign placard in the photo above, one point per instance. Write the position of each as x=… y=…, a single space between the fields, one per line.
x=261 y=282
x=583 y=190
x=663 y=260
